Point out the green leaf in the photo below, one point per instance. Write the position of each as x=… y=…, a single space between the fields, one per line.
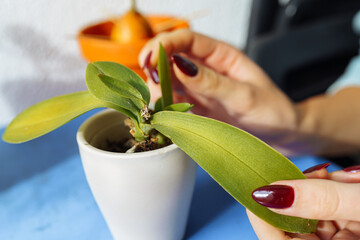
x=164 y=77
x=118 y=71
x=179 y=107
x=101 y=91
x=139 y=133
x=48 y=115
x=124 y=89
x=238 y=161
x=158 y=105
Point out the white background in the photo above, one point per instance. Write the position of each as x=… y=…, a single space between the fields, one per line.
x=39 y=54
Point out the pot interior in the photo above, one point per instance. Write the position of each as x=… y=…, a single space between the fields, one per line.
x=105 y=127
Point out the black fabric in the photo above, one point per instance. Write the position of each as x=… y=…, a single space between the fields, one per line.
x=304 y=45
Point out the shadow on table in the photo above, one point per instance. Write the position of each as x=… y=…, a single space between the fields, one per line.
x=21 y=161
x=209 y=201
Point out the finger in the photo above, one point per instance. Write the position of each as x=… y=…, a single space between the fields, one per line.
x=206 y=82
x=354 y=227
x=326 y=230
x=345 y=234
x=351 y=176
x=214 y=54
x=319 y=171
x=173 y=42
x=297 y=236
x=318 y=174
x=265 y=231
x=312 y=198
x=154 y=90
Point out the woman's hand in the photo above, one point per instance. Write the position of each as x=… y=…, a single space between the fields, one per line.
x=224 y=84
x=330 y=197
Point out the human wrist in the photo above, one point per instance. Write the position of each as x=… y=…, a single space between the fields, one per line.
x=307 y=134
x=306 y=122
x=329 y=122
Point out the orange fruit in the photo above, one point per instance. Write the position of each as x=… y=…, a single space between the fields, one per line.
x=132 y=26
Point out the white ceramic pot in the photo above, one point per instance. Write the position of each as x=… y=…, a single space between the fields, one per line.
x=141 y=195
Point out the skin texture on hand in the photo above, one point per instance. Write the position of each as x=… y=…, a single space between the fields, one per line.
x=230 y=87
x=330 y=197
x=333 y=121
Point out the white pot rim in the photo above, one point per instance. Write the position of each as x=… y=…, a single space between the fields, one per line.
x=82 y=141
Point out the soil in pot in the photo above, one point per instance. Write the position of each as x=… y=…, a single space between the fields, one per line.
x=126 y=142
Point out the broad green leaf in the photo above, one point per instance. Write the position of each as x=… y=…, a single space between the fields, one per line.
x=124 y=89
x=238 y=161
x=164 y=77
x=102 y=92
x=179 y=107
x=122 y=110
x=158 y=105
x=48 y=115
x=118 y=71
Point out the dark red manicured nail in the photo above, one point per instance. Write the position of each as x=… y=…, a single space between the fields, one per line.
x=147 y=60
x=317 y=167
x=353 y=169
x=185 y=65
x=274 y=196
x=154 y=75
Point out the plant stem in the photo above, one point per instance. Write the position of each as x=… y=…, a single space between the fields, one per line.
x=133 y=5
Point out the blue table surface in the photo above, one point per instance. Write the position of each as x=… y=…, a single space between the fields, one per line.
x=44 y=195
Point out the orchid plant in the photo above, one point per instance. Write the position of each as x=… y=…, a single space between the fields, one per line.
x=238 y=161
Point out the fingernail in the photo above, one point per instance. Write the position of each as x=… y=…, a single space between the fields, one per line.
x=185 y=65
x=274 y=196
x=317 y=167
x=353 y=169
x=154 y=75
x=147 y=60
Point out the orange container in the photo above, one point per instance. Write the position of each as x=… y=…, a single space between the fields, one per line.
x=96 y=45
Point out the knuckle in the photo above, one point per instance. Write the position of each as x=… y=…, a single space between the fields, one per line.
x=212 y=83
x=160 y=38
x=171 y=41
x=334 y=206
x=329 y=204
x=166 y=39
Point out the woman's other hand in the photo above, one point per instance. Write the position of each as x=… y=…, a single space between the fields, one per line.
x=332 y=198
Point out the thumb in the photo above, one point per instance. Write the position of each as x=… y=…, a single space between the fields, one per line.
x=312 y=198
x=208 y=83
